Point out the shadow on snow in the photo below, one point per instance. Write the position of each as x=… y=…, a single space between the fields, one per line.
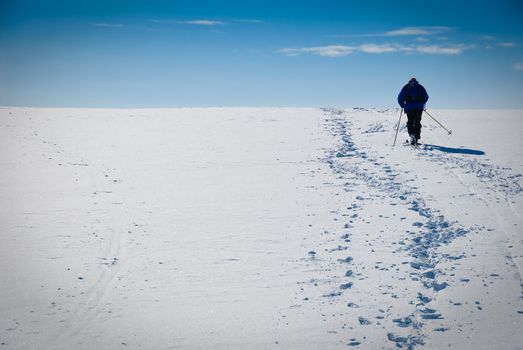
x=454 y=150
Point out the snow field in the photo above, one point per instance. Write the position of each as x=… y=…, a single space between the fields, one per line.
x=236 y=228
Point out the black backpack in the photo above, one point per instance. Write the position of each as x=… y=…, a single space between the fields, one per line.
x=413 y=93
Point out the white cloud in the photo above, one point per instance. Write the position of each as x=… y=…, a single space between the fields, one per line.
x=506 y=44
x=420 y=32
x=326 y=51
x=518 y=66
x=203 y=22
x=253 y=21
x=417 y=31
x=373 y=48
x=440 y=50
x=290 y=51
x=369 y=48
x=495 y=42
x=206 y=22
x=197 y=22
x=108 y=25
x=163 y=21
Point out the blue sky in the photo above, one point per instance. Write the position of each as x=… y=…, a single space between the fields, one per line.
x=259 y=53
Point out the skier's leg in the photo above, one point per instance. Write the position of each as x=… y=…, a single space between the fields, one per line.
x=417 y=128
x=411 y=126
x=411 y=122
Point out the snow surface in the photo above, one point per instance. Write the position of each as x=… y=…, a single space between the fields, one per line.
x=259 y=228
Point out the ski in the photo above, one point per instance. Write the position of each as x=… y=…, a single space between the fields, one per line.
x=407 y=143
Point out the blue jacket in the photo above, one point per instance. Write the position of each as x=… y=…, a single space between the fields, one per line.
x=413 y=96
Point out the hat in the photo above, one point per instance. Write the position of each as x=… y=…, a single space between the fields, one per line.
x=412 y=80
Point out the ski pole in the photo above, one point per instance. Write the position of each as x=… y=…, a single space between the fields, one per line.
x=397 y=129
x=449 y=131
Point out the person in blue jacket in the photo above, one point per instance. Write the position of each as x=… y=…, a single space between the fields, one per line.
x=412 y=98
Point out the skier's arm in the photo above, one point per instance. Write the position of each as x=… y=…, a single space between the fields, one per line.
x=401 y=98
x=425 y=96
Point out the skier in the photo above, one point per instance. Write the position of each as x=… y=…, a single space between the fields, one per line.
x=412 y=99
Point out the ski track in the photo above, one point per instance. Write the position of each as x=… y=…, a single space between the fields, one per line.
x=493 y=177
x=350 y=163
x=109 y=263
x=495 y=183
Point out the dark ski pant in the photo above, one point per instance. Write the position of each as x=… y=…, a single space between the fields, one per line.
x=414 y=122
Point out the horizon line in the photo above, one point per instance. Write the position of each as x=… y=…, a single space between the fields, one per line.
x=253 y=107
